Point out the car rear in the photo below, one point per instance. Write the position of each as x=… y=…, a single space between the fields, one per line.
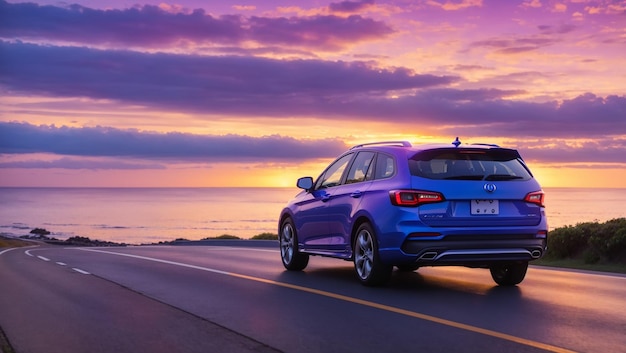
x=471 y=206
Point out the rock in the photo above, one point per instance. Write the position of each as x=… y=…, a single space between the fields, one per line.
x=40 y=231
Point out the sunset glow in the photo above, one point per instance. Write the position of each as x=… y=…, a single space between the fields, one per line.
x=259 y=93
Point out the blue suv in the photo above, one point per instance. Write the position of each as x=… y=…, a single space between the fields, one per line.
x=390 y=204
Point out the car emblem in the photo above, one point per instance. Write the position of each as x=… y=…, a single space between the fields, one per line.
x=489 y=187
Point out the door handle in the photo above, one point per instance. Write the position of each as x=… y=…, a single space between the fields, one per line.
x=356 y=194
x=325 y=198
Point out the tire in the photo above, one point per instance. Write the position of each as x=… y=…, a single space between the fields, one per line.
x=509 y=274
x=292 y=258
x=367 y=264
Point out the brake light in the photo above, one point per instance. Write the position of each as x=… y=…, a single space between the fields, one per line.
x=536 y=197
x=414 y=197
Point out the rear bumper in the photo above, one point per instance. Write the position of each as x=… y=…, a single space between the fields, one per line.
x=473 y=251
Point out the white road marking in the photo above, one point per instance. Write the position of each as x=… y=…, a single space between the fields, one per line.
x=24 y=247
x=61 y=264
x=7 y=250
x=81 y=271
x=43 y=258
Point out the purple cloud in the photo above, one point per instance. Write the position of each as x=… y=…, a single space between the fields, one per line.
x=516 y=45
x=247 y=86
x=24 y=138
x=561 y=29
x=484 y=112
x=21 y=138
x=74 y=163
x=350 y=6
x=152 y=27
x=221 y=84
x=322 y=32
x=610 y=150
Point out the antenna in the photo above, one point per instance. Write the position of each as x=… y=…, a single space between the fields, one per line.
x=456 y=142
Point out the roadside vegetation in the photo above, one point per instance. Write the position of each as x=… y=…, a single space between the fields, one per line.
x=590 y=245
x=266 y=236
x=262 y=236
x=6 y=242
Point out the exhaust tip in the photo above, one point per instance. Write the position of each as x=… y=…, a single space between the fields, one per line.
x=536 y=254
x=430 y=255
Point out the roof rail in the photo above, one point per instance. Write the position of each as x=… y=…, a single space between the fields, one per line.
x=486 y=144
x=393 y=143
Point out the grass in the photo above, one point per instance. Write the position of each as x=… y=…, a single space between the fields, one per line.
x=13 y=243
x=580 y=264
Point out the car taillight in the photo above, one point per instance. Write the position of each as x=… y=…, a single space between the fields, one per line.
x=414 y=197
x=536 y=198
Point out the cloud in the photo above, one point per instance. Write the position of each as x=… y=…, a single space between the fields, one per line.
x=330 y=33
x=74 y=163
x=456 y=5
x=253 y=87
x=151 y=26
x=92 y=148
x=607 y=151
x=350 y=6
x=516 y=45
x=488 y=112
x=220 y=84
x=22 y=138
x=262 y=87
x=561 y=29
x=531 y=4
x=582 y=117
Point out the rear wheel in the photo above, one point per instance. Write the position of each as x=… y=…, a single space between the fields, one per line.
x=367 y=264
x=292 y=258
x=509 y=274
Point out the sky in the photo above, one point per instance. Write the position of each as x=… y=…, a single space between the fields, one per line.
x=258 y=93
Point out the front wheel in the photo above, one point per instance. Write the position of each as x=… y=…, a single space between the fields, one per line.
x=292 y=258
x=509 y=274
x=370 y=270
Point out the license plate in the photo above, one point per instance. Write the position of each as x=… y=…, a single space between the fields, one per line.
x=485 y=207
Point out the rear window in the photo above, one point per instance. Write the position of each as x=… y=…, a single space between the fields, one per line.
x=494 y=164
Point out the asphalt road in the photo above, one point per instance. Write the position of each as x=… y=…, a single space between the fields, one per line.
x=240 y=299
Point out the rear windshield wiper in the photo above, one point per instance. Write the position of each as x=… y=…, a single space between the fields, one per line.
x=502 y=177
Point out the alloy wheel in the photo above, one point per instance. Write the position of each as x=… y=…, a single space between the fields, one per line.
x=364 y=254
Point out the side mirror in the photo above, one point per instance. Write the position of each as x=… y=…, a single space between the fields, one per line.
x=305 y=183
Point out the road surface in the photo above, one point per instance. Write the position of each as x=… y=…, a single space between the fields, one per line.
x=236 y=297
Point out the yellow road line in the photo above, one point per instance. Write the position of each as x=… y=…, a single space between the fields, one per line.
x=486 y=332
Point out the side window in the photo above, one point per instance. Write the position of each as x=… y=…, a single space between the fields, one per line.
x=361 y=168
x=385 y=166
x=332 y=175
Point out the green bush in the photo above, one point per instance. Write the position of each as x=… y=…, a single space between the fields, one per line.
x=265 y=236
x=223 y=236
x=591 y=241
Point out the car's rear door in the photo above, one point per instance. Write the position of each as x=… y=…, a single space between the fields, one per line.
x=345 y=199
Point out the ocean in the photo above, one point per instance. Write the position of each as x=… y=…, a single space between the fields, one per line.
x=151 y=215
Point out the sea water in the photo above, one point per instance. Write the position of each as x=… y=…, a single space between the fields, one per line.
x=151 y=215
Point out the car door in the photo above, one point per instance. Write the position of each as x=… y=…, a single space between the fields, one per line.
x=344 y=202
x=313 y=214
